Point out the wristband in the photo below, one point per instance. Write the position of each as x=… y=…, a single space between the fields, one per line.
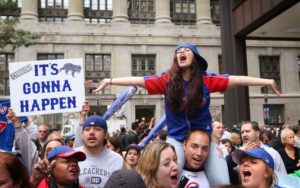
x=110 y=82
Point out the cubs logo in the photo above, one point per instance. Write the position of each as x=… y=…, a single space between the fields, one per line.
x=2 y=125
x=3 y=109
x=192 y=185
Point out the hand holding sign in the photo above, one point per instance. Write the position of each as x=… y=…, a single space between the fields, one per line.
x=11 y=116
x=84 y=112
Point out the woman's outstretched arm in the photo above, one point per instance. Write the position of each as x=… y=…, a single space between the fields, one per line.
x=124 y=81
x=252 y=81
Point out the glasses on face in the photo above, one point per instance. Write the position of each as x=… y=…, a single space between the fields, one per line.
x=41 y=131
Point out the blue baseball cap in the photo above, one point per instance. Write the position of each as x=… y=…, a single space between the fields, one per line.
x=65 y=152
x=194 y=49
x=133 y=146
x=95 y=120
x=68 y=137
x=257 y=153
x=23 y=119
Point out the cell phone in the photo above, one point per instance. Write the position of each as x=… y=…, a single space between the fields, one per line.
x=183 y=181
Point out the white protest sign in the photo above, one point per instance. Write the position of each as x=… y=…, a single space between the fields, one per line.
x=46 y=87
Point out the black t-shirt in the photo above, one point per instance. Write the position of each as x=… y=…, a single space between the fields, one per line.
x=290 y=164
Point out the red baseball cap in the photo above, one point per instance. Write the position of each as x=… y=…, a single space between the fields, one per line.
x=65 y=152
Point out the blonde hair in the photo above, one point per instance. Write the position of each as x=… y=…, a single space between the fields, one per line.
x=272 y=179
x=233 y=137
x=284 y=133
x=149 y=162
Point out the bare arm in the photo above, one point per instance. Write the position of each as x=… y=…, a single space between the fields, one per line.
x=125 y=81
x=78 y=128
x=252 y=81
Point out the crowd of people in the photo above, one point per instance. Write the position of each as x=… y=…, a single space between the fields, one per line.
x=194 y=151
x=102 y=161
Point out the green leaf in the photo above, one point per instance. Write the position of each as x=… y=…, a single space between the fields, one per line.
x=9 y=35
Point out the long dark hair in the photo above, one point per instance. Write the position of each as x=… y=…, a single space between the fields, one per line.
x=175 y=87
x=16 y=169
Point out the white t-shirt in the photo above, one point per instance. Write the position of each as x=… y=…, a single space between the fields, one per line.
x=223 y=150
x=195 y=179
x=278 y=162
x=96 y=169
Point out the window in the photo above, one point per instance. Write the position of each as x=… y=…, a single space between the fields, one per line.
x=97 y=67
x=221 y=70
x=143 y=65
x=53 y=10
x=19 y=3
x=49 y=56
x=99 y=109
x=97 y=11
x=98 y=4
x=54 y=120
x=269 y=68
x=10 y=9
x=141 y=11
x=5 y=59
x=183 y=12
x=273 y=114
x=215 y=11
x=144 y=113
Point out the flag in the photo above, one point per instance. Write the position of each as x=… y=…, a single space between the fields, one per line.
x=7 y=130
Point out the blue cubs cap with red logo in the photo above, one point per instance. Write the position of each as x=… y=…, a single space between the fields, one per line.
x=194 y=49
x=95 y=120
x=257 y=153
x=65 y=152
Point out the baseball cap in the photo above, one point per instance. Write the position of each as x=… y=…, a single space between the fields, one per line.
x=133 y=146
x=68 y=137
x=66 y=152
x=194 y=49
x=257 y=153
x=125 y=178
x=95 y=120
x=23 y=119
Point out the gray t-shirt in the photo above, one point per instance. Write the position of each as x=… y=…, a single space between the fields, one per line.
x=96 y=169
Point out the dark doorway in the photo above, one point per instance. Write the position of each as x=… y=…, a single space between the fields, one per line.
x=144 y=112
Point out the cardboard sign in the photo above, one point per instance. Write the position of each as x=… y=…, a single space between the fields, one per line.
x=46 y=87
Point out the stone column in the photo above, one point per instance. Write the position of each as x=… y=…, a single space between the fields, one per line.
x=203 y=12
x=120 y=11
x=162 y=10
x=29 y=10
x=75 y=12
